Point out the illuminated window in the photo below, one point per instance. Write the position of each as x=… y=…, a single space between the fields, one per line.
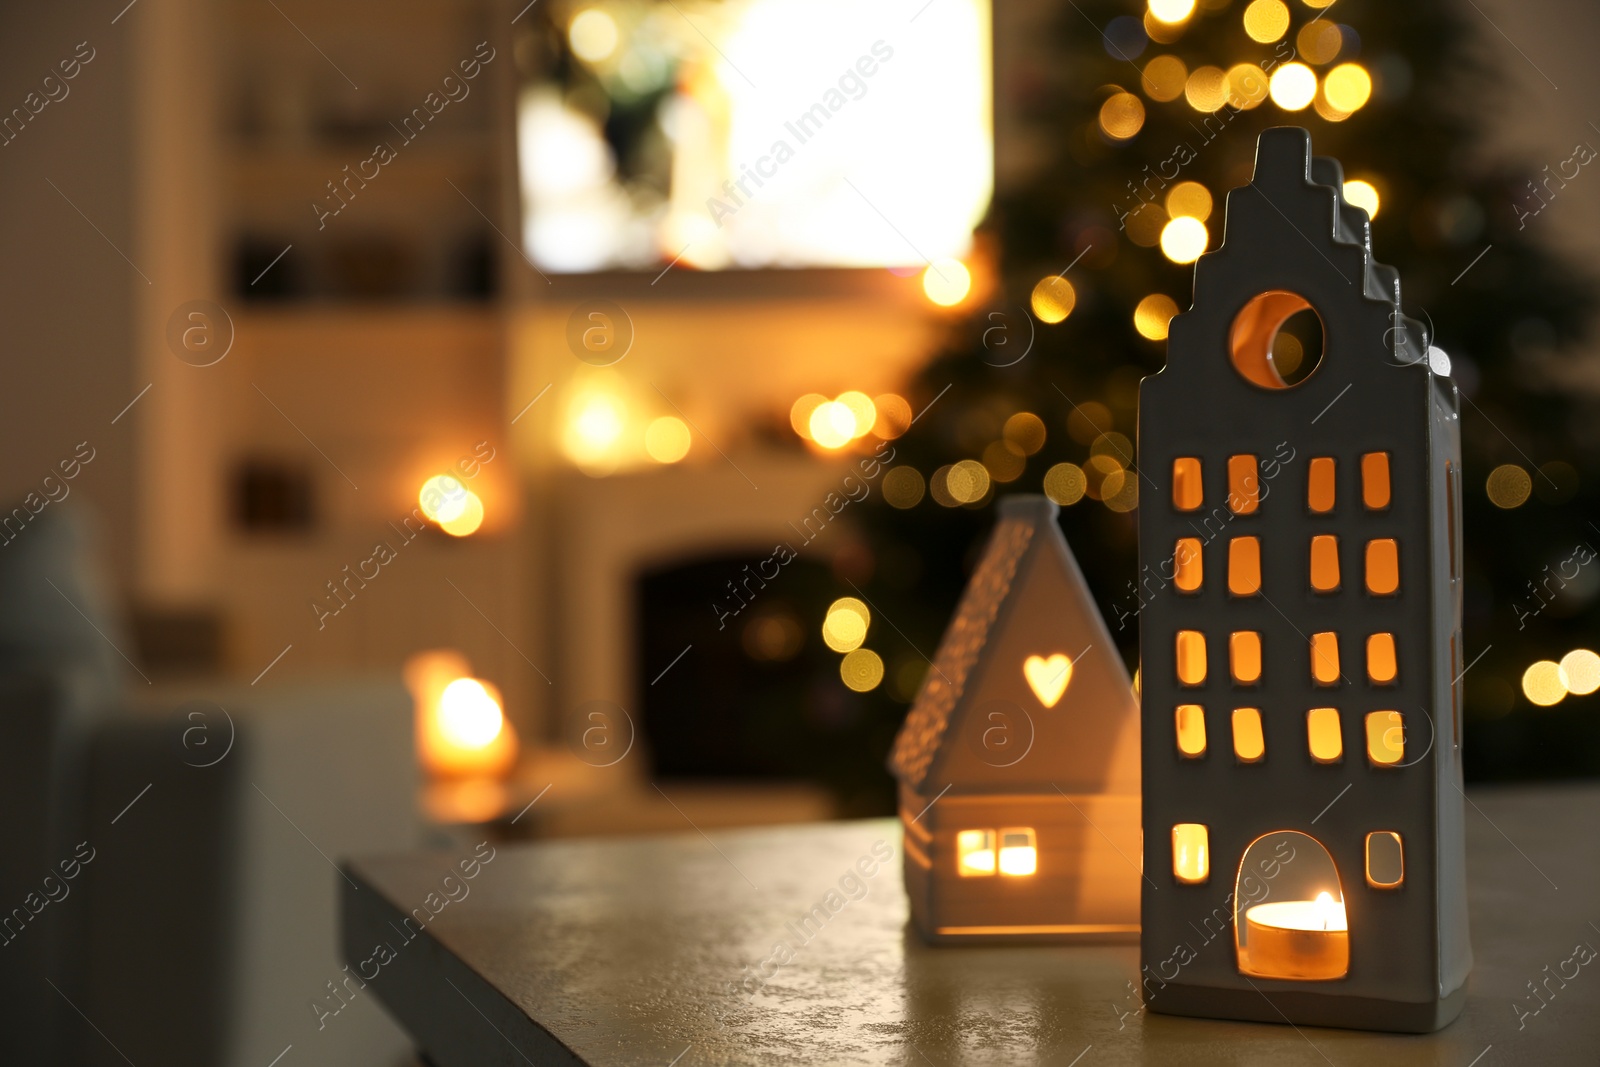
x=1191 y=853
x=975 y=852
x=1325 y=658
x=1244 y=566
x=1325 y=563
x=1375 y=480
x=1386 y=738
x=1191 y=720
x=1187 y=494
x=1383 y=566
x=1382 y=665
x=1244 y=656
x=1248 y=743
x=1323 y=735
x=1019 y=854
x=1186 y=564
x=1244 y=485
x=1191 y=655
x=1320 y=492
x=1386 y=861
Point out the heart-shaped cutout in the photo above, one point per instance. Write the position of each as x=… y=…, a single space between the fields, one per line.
x=1047 y=676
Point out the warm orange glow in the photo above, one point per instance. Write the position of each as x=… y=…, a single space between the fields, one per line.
x=1324 y=736
x=1186 y=564
x=442 y=498
x=1293 y=86
x=1383 y=566
x=861 y=409
x=832 y=424
x=1542 y=684
x=1187 y=493
x=975 y=853
x=1386 y=863
x=1244 y=566
x=1249 y=743
x=1191 y=657
x=1325 y=563
x=1048 y=676
x=1019 y=852
x=1244 y=655
x=667 y=439
x=1191 y=853
x=894 y=416
x=800 y=413
x=595 y=423
x=1381 y=662
x=1325 y=658
x=467 y=521
x=946 y=282
x=1244 y=485
x=1375 y=480
x=1386 y=738
x=1191 y=724
x=1320 y=493
x=461 y=728
x=1305 y=939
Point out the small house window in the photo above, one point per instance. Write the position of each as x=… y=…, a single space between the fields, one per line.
x=1375 y=480
x=1325 y=658
x=1383 y=566
x=1019 y=853
x=1325 y=563
x=1244 y=654
x=1191 y=654
x=1186 y=563
x=1244 y=485
x=975 y=852
x=1320 y=491
x=1323 y=736
x=1382 y=666
x=1187 y=493
x=1244 y=566
x=1386 y=738
x=1386 y=860
x=1248 y=742
x=1191 y=723
x=1191 y=853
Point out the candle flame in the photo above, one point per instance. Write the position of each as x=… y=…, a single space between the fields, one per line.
x=1324 y=908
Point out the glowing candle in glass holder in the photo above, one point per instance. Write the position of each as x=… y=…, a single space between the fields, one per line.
x=1297 y=939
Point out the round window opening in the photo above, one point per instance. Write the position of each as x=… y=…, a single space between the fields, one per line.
x=1277 y=340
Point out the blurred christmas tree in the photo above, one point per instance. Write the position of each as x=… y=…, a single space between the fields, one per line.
x=1149 y=118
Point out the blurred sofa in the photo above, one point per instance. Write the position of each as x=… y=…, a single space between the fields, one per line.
x=167 y=878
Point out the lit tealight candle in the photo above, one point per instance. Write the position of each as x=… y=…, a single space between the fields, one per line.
x=1297 y=939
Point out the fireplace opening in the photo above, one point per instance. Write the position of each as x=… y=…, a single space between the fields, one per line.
x=758 y=696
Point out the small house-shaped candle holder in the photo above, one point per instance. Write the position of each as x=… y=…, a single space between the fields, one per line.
x=1018 y=764
x=1300 y=641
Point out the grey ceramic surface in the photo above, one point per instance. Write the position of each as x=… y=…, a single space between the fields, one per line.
x=625 y=953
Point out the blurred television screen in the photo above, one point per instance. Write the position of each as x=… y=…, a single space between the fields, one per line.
x=737 y=134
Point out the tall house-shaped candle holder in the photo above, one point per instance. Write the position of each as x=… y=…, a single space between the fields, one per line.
x=1018 y=765
x=1301 y=630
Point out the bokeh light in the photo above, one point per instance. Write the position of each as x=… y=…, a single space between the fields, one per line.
x=1347 y=87
x=1266 y=20
x=861 y=670
x=594 y=428
x=1247 y=86
x=593 y=35
x=894 y=416
x=1363 y=195
x=903 y=487
x=1121 y=116
x=1542 y=683
x=1164 y=78
x=667 y=439
x=1065 y=483
x=1580 y=672
x=845 y=626
x=442 y=498
x=833 y=425
x=1171 y=11
x=1293 y=86
x=1004 y=461
x=1207 y=88
x=469 y=715
x=1153 y=314
x=946 y=282
x=1189 y=200
x=1053 y=299
x=862 y=410
x=967 y=481
x=1508 y=486
x=1025 y=431
x=800 y=413
x=1144 y=224
x=1319 y=42
x=467 y=521
x=1184 y=239
x=1088 y=420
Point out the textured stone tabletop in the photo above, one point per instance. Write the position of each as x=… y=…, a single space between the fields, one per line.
x=693 y=950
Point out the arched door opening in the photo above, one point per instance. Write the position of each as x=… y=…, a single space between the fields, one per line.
x=1289 y=917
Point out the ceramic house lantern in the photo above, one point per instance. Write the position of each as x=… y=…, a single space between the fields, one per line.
x=1018 y=764
x=1300 y=638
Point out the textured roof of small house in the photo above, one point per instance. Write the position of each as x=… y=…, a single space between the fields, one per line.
x=968 y=633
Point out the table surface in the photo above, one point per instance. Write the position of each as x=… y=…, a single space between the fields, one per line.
x=627 y=952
